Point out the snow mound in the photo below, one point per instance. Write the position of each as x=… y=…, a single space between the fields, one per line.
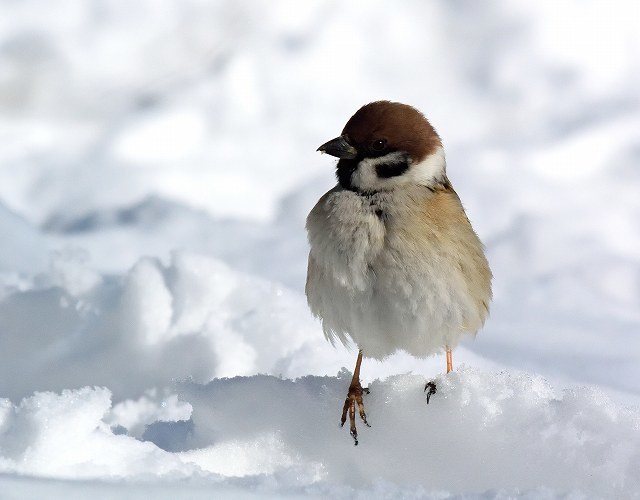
x=482 y=433
x=193 y=319
x=63 y=435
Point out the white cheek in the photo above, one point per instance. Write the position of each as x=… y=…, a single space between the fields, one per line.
x=428 y=172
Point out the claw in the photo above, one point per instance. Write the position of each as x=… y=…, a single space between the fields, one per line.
x=345 y=409
x=432 y=390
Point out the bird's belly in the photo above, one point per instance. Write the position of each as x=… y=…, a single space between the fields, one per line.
x=420 y=312
x=419 y=307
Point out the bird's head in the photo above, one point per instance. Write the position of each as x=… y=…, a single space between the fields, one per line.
x=387 y=145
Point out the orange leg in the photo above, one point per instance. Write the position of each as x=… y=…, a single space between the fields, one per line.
x=354 y=398
x=449 y=361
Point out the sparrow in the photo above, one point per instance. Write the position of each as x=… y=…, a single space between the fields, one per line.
x=394 y=263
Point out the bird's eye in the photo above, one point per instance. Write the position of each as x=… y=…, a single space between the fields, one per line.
x=378 y=145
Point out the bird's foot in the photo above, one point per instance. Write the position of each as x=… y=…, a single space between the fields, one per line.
x=430 y=389
x=354 y=397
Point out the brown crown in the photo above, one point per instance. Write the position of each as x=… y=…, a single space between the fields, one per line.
x=402 y=126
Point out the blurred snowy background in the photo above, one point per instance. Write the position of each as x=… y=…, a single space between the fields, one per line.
x=157 y=161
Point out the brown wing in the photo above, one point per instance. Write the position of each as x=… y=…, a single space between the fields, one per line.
x=444 y=218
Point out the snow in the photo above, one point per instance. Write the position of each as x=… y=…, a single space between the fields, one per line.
x=480 y=432
x=157 y=161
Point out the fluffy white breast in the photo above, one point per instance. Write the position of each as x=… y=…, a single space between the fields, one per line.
x=345 y=236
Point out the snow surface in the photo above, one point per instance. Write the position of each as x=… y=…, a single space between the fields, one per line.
x=157 y=161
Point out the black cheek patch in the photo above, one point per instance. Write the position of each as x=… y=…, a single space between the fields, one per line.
x=388 y=170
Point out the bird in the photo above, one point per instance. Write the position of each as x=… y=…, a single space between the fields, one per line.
x=394 y=263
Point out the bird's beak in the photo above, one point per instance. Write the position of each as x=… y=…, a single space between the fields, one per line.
x=340 y=148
